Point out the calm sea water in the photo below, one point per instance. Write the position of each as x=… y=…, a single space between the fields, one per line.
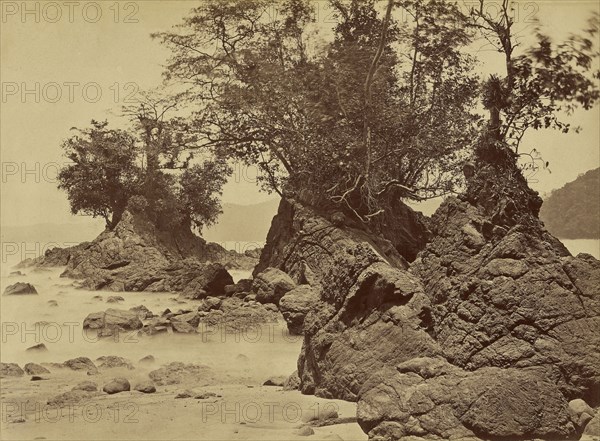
x=269 y=348
x=589 y=246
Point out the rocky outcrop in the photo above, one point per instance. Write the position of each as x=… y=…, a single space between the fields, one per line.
x=490 y=333
x=505 y=296
x=19 y=289
x=371 y=311
x=136 y=256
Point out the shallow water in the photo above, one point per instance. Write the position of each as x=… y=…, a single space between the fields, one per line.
x=269 y=349
x=589 y=246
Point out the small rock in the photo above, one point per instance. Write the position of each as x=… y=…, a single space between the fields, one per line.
x=115 y=299
x=271 y=285
x=242 y=358
x=592 y=429
x=117 y=385
x=10 y=370
x=580 y=412
x=52 y=303
x=41 y=347
x=142 y=312
x=182 y=327
x=88 y=386
x=20 y=288
x=305 y=431
x=146 y=387
x=35 y=369
x=16 y=274
x=275 y=381
x=185 y=394
x=69 y=398
x=112 y=361
x=292 y=382
x=148 y=359
x=98 y=298
x=80 y=364
x=209 y=303
x=191 y=318
x=206 y=395
x=37 y=378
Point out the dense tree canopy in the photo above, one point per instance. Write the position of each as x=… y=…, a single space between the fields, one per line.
x=378 y=106
x=371 y=108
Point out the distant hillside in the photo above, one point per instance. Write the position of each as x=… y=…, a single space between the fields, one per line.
x=573 y=212
x=246 y=223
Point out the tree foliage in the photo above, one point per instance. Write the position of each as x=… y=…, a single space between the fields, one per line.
x=380 y=105
x=547 y=81
x=103 y=174
x=155 y=168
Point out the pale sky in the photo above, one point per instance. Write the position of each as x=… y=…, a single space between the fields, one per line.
x=52 y=70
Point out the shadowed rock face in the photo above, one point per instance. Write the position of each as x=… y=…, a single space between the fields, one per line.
x=487 y=335
x=368 y=301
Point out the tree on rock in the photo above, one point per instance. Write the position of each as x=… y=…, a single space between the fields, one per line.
x=376 y=107
x=103 y=175
x=155 y=169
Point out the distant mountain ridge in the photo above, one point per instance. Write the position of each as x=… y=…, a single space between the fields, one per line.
x=573 y=211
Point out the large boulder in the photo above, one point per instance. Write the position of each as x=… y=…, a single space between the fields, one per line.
x=295 y=304
x=271 y=285
x=113 y=320
x=20 y=288
x=117 y=385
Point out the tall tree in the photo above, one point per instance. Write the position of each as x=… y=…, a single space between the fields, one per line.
x=156 y=169
x=103 y=174
x=541 y=85
x=347 y=120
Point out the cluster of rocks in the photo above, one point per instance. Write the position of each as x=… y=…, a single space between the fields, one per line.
x=489 y=332
x=232 y=313
x=74 y=364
